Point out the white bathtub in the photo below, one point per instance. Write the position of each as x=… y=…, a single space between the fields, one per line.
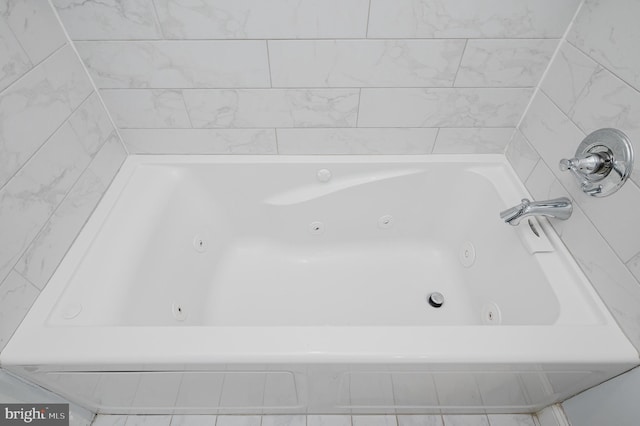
x=299 y=285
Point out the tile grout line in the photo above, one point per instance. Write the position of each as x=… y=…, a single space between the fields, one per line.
x=46 y=140
x=357 y=126
x=637 y=90
x=38 y=291
x=238 y=129
x=366 y=31
x=88 y=75
x=303 y=39
x=156 y=18
x=57 y=207
x=275 y=132
x=15 y=36
x=186 y=110
x=309 y=87
x=551 y=60
x=269 y=64
x=435 y=141
x=533 y=168
x=455 y=77
x=32 y=69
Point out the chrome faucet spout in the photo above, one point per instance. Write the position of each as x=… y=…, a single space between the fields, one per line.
x=558 y=208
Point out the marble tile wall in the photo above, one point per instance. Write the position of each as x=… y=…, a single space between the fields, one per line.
x=316 y=76
x=593 y=82
x=58 y=153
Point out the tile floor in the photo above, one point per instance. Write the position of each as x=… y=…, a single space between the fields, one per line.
x=325 y=420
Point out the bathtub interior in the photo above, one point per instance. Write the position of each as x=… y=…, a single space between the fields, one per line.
x=269 y=244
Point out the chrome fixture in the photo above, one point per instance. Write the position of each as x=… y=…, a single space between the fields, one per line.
x=559 y=208
x=436 y=299
x=603 y=162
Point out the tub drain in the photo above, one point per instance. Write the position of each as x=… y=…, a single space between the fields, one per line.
x=436 y=299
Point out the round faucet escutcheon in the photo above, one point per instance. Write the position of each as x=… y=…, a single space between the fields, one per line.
x=436 y=299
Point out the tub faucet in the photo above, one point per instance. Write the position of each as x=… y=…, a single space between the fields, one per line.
x=559 y=208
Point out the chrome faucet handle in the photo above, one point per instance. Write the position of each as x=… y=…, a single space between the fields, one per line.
x=566 y=165
x=600 y=153
x=586 y=163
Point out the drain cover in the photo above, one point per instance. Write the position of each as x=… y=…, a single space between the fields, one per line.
x=436 y=299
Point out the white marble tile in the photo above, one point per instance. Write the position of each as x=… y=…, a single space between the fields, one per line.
x=356 y=141
x=16 y=297
x=176 y=64
x=46 y=96
x=470 y=18
x=374 y=420
x=29 y=199
x=92 y=124
x=472 y=141
x=567 y=76
x=504 y=63
x=112 y=20
x=65 y=72
x=35 y=25
x=258 y=19
x=200 y=141
x=193 y=420
x=108 y=160
x=109 y=420
x=440 y=107
x=420 y=420
x=622 y=234
x=364 y=63
x=328 y=420
x=511 y=420
x=607 y=101
x=151 y=420
x=284 y=420
x=550 y=132
x=465 y=420
x=634 y=266
x=543 y=185
x=244 y=108
x=14 y=62
x=147 y=108
x=238 y=421
x=521 y=155
x=608 y=32
x=47 y=250
x=612 y=280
